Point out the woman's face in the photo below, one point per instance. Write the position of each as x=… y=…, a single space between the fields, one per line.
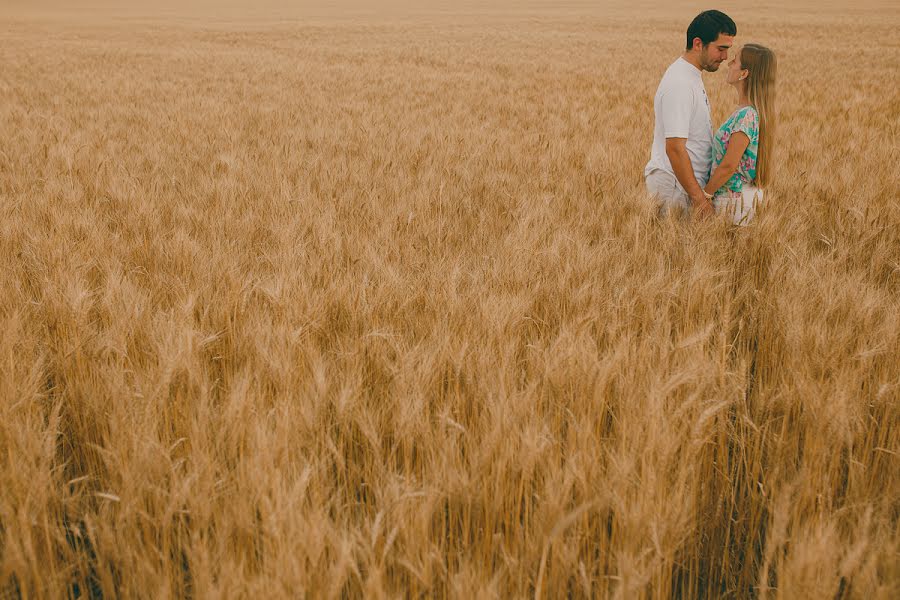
x=735 y=71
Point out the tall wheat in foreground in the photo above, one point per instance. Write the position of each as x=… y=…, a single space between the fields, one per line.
x=342 y=305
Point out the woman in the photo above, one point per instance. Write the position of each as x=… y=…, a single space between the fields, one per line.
x=742 y=147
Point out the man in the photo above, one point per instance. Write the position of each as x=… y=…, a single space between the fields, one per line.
x=682 y=136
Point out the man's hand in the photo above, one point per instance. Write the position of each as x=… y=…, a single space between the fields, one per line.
x=676 y=150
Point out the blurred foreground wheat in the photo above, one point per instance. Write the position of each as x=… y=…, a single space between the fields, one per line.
x=341 y=307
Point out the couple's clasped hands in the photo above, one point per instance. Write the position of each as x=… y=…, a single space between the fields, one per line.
x=702 y=205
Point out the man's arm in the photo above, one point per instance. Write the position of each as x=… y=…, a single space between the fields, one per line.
x=684 y=172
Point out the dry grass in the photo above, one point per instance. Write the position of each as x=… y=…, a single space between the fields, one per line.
x=371 y=304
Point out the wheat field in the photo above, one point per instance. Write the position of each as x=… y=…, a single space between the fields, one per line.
x=336 y=300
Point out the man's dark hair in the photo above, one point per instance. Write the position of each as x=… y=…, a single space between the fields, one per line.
x=708 y=25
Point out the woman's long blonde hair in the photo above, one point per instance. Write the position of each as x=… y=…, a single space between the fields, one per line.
x=760 y=61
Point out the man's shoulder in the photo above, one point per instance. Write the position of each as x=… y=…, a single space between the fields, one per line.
x=673 y=70
x=676 y=76
x=677 y=88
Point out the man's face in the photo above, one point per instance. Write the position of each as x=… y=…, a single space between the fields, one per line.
x=715 y=53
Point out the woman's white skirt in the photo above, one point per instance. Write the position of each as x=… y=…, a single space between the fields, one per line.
x=739 y=207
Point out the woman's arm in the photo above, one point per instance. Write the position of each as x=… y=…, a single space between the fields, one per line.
x=737 y=144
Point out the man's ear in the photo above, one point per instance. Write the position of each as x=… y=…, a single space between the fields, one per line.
x=697 y=44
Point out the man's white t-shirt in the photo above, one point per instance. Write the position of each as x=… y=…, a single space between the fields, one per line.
x=682 y=111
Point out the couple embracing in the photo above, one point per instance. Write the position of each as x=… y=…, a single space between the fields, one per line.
x=692 y=168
